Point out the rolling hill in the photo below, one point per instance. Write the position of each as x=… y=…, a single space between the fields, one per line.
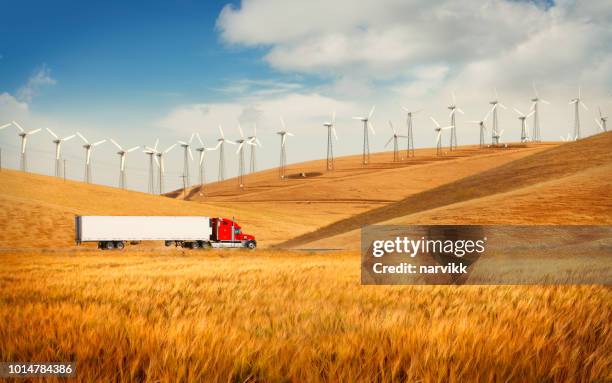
x=565 y=184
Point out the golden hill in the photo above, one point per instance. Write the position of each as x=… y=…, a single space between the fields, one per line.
x=38 y=211
x=566 y=184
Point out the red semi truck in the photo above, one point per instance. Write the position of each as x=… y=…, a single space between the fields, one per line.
x=193 y=232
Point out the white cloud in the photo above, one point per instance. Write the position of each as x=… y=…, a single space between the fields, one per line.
x=40 y=78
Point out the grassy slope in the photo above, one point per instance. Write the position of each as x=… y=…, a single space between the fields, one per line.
x=546 y=166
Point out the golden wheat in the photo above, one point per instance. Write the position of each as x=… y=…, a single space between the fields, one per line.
x=279 y=316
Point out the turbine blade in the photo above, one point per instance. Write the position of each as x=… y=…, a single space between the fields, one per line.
x=190 y=154
x=334 y=133
x=518 y=112
x=122 y=162
x=132 y=149
x=156 y=160
x=221 y=131
x=290 y=134
x=583 y=105
x=371 y=112
x=392 y=127
x=545 y=102
x=240 y=130
x=371 y=126
x=68 y=138
x=333 y=120
x=388 y=142
x=439 y=136
x=239 y=147
x=156 y=143
x=34 y=131
x=18 y=126
x=82 y=138
x=56 y=137
x=435 y=122
x=170 y=148
x=116 y=144
x=502 y=105
x=529 y=115
x=98 y=143
x=282 y=122
x=199 y=139
x=6 y=125
x=460 y=111
x=191 y=138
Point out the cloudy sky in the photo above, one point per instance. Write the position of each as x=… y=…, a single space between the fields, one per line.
x=137 y=72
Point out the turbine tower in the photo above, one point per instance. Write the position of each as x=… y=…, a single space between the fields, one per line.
x=162 y=170
x=187 y=156
x=495 y=124
x=58 y=149
x=122 y=154
x=394 y=138
x=439 y=130
x=409 y=133
x=202 y=159
x=602 y=122
x=24 y=141
x=221 y=146
x=523 y=118
x=483 y=128
x=88 y=149
x=536 y=117
x=240 y=153
x=331 y=130
x=151 y=153
x=283 y=151
x=255 y=140
x=366 y=143
x=453 y=108
x=577 y=102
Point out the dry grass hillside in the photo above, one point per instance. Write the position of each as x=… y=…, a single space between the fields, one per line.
x=38 y=211
x=564 y=184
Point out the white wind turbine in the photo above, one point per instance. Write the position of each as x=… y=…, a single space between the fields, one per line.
x=122 y=155
x=58 y=150
x=495 y=125
x=453 y=109
x=24 y=141
x=439 y=130
x=366 y=142
x=160 y=162
x=240 y=153
x=221 y=145
x=151 y=152
x=602 y=122
x=88 y=149
x=283 y=151
x=394 y=138
x=523 y=119
x=187 y=156
x=409 y=116
x=331 y=130
x=255 y=140
x=536 y=116
x=202 y=159
x=577 y=102
x=483 y=128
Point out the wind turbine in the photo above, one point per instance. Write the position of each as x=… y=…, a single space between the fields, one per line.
x=122 y=154
x=495 y=125
x=410 y=135
x=187 y=156
x=394 y=138
x=283 y=151
x=240 y=153
x=602 y=122
x=523 y=118
x=331 y=129
x=88 y=149
x=202 y=160
x=151 y=152
x=439 y=136
x=366 y=143
x=221 y=146
x=577 y=102
x=483 y=128
x=453 y=108
x=536 y=117
x=162 y=170
x=255 y=140
x=24 y=141
x=58 y=148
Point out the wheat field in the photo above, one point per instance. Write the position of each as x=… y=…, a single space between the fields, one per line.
x=172 y=315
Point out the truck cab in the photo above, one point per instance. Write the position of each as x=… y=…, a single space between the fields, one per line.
x=227 y=230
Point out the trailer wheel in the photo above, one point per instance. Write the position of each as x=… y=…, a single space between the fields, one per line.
x=109 y=245
x=119 y=245
x=195 y=245
x=168 y=243
x=251 y=245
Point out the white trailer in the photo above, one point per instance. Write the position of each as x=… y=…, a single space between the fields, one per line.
x=111 y=232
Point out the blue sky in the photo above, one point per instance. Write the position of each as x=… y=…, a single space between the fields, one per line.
x=135 y=71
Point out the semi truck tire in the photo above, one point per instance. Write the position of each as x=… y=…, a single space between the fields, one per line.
x=195 y=245
x=251 y=245
x=119 y=245
x=108 y=245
